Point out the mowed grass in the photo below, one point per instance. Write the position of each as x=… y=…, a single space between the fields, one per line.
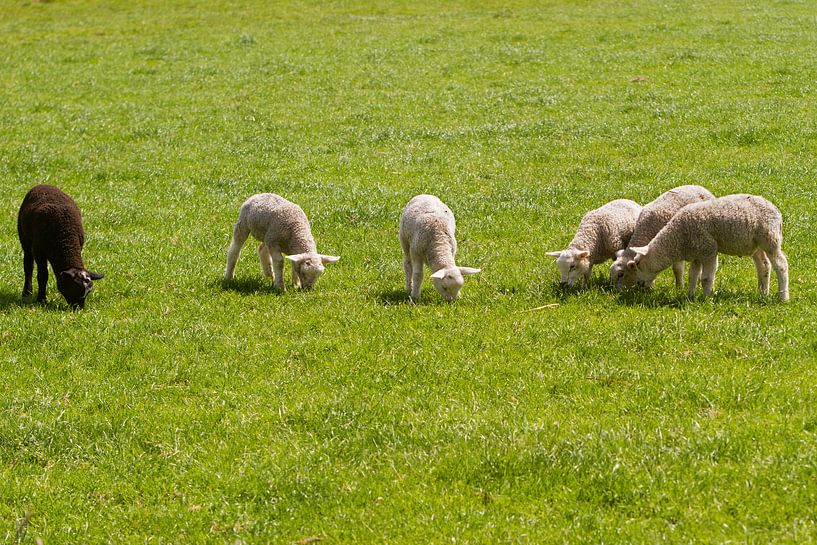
x=177 y=409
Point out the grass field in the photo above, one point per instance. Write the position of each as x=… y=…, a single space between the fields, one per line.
x=176 y=409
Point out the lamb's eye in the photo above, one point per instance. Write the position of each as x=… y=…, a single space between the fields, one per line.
x=572 y=267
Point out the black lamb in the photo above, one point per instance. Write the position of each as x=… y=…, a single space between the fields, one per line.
x=50 y=228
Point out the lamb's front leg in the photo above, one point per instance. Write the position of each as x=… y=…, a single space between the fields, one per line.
x=278 y=267
x=708 y=270
x=416 y=277
x=678 y=271
x=296 y=277
x=42 y=278
x=694 y=276
x=266 y=260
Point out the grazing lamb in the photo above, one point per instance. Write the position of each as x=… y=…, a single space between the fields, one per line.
x=733 y=225
x=282 y=228
x=427 y=236
x=49 y=225
x=652 y=218
x=602 y=232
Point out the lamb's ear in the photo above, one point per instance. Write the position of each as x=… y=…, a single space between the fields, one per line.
x=438 y=274
x=632 y=265
x=69 y=273
x=583 y=254
x=619 y=253
x=96 y=275
x=465 y=271
x=296 y=258
x=329 y=258
x=641 y=250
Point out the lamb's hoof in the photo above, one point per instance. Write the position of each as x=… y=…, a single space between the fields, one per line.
x=783 y=296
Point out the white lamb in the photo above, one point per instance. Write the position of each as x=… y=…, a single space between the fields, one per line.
x=602 y=232
x=282 y=228
x=652 y=218
x=427 y=236
x=734 y=225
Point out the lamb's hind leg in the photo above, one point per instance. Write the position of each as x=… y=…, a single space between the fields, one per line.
x=764 y=271
x=240 y=235
x=678 y=271
x=265 y=259
x=28 y=272
x=781 y=269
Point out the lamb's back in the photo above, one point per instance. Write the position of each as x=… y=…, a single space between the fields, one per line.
x=739 y=223
x=424 y=217
x=266 y=213
x=606 y=229
x=49 y=215
x=655 y=215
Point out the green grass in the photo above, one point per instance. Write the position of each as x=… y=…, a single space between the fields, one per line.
x=175 y=410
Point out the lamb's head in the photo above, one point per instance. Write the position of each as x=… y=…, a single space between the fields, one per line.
x=75 y=285
x=309 y=267
x=573 y=265
x=636 y=266
x=621 y=276
x=449 y=280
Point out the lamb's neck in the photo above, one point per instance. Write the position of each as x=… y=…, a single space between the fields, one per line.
x=660 y=255
x=440 y=253
x=302 y=242
x=67 y=254
x=589 y=240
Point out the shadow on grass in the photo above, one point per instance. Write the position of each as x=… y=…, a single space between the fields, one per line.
x=672 y=298
x=598 y=284
x=394 y=297
x=246 y=286
x=640 y=297
x=12 y=299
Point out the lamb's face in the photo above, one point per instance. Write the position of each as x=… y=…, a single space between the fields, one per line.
x=573 y=265
x=75 y=285
x=448 y=282
x=310 y=268
x=620 y=275
x=644 y=277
